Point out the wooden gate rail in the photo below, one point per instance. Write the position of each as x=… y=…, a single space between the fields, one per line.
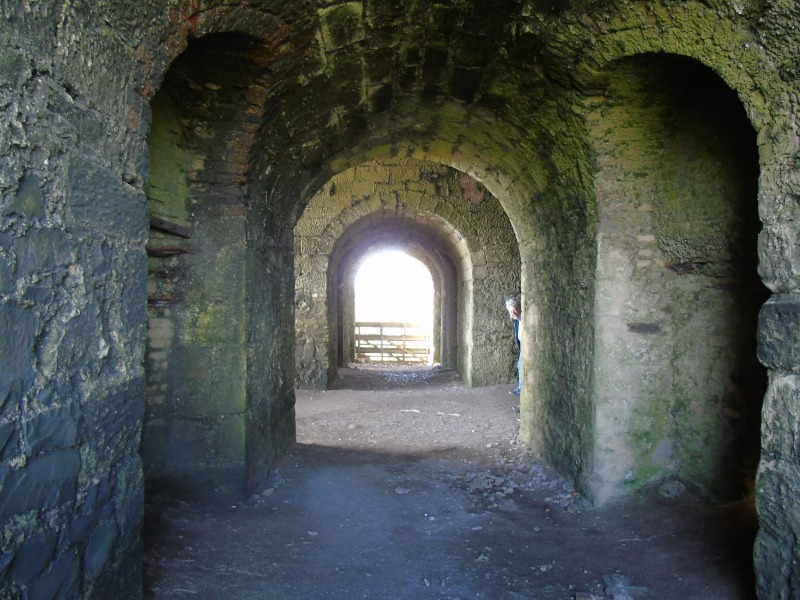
x=392 y=342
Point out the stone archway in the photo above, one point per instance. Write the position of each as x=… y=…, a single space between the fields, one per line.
x=209 y=362
x=463 y=234
x=419 y=241
x=677 y=289
x=492 y=89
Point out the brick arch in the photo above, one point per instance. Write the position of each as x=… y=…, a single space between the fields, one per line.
x=191 y=23
x=409 y=201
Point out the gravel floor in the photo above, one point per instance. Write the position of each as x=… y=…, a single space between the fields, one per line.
x=407 y=484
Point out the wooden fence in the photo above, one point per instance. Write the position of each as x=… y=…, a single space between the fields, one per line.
x=399 y=343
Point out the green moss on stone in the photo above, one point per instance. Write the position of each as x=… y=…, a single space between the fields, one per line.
x=167 y=188
x=29 y=200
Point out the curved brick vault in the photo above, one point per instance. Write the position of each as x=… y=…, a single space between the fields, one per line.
x=629 y=145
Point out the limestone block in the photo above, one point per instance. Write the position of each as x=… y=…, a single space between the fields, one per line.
x=776 y=548
x=780 y=438
x=46 y=482
x=778 y=249
x=60 y=578
x=51 y=430
x=17 y=339
x=779 y=333
x=99 y=547
x=31 y=558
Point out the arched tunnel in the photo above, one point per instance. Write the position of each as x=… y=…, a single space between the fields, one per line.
x=630 y=169
x=441 y=216
x=653 y=259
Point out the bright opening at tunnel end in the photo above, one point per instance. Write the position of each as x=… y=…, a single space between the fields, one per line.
x=392 y=287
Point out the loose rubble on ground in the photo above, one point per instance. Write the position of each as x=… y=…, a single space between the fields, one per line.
x=516 y=471
x=422 y=493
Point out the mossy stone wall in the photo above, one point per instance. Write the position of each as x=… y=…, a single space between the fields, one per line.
x=283 y=96
x=678 y=387
x=207 y=361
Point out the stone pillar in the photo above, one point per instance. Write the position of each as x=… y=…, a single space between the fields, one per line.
x=778 y=483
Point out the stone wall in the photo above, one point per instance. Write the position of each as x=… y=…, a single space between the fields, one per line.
x=399 y=200
x=678 y=388
x=72 y=306
x=206 y=364
x=195 y=419
x=294 y=93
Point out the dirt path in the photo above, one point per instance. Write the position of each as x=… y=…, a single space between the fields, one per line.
x=409 y=485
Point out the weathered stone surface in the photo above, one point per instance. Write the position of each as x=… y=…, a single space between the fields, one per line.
x=65 y=335
x=29 y=200
x=60 y=580
x=44 y=483
x=778 y=481
x=268 y=101
x=17 y=339
x=122 y=211
x=7 y=439
x=52 y=430
x=98 y=548
x=31 y=558
x=779 y=333
x=775 y=560
x=680 y=274
x=86 y=518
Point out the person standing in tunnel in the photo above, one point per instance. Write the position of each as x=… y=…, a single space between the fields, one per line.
x=514 y=308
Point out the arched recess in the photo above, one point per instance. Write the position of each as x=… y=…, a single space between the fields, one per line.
x=212 y=353
x=677 y=387
x=446 y=265
x=444 y=216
